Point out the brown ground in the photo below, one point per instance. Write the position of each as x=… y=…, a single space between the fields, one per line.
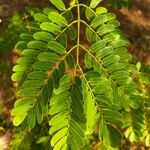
x=136 y=24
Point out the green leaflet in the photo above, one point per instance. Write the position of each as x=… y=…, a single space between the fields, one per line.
x=101 y=10
x=33 y=83
x=89 y=14
x=91 y=36
x=59 y=4
x=56 y=78
x=68 y=15
x=30 y=53
x=17 y=76
x=37 y=75
x=111 y=37
x=70 y=61
x=26 y=36
x=41 y=17
x=72 y=33
x=43 y=139
x=51 y=27
x=49 y=57
x=36 y=45
x=30 y=91
x=42 y=65
x=23 y=101
x=97 y=46
x=25 y=60
x=115 y=67
x=21 y=45
x=101 y=19
x=122 y=52
x=22 y=68
x=43 y=36
x=19 y=110
x=88 y=60
x=105 y=29
x=63 y=40
x=19 y=119
x=61 y=69
x=56 y=47
x=47 y=10
x=119 y=43
x=94 y=3
x=104 y=52
x=33 y=27
x=58 y=19
x=115 y=23
x=110 y=59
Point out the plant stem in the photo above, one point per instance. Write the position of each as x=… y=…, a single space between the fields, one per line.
x=78 y=28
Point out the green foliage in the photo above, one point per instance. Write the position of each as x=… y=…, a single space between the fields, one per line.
x=11 y=35
x=137 y=121
x=68 y=122
x=143 y=72
x=121 y=3
x=73 y=74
